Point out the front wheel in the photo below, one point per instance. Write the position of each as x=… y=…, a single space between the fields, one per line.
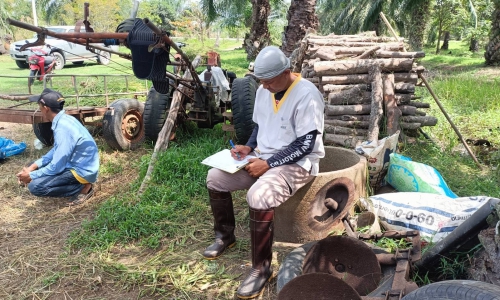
x=33 y=76
x=21 y=64
x=59 y=59
x=123 y=126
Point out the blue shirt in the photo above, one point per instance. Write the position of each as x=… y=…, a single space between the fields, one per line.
x=74 y=148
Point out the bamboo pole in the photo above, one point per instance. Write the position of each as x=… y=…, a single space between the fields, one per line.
x=390 y=28
x=449 y=120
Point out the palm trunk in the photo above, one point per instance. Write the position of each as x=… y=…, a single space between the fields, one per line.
x=446 y=40
x=259 y=37
x=301 y=16
x=492 y=54
x=419 y=17
x=474 y=45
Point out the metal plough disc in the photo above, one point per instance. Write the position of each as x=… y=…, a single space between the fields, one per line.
x=317 y=286
x=346 y=258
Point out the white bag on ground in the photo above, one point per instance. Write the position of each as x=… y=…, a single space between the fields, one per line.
x=435 y=216
x=377 y=154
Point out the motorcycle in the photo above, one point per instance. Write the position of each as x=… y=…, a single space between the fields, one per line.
x=40 y=63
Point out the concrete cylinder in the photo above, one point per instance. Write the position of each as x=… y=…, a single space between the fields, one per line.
x=318 y=208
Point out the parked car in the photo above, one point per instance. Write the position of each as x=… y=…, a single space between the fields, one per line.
x=63 y=51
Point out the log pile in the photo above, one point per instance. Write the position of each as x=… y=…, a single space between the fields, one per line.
x=368 y=83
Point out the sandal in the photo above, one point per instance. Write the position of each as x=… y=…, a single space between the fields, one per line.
x=81 y=198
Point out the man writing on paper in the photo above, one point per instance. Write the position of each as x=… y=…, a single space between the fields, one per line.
x=287 y=140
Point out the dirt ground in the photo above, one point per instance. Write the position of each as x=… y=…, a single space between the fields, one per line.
x=34 y=260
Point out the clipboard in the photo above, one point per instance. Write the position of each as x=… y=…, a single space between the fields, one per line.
x=223 y=160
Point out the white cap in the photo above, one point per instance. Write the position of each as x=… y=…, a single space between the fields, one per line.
x=270 y=63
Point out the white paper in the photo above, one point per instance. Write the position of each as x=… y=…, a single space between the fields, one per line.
x=223 y=160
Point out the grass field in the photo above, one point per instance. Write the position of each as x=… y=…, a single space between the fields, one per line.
x=122 y=246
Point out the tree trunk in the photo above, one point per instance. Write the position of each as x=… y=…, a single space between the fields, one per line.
x=419 y=17
x=259 y=37
x=301 y=16
x=492 y=54
x=474 y=45
x=446 y=40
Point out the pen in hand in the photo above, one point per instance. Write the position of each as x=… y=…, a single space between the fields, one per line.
x=234 y=147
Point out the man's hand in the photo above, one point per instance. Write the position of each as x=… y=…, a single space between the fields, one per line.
x=23 y=177
x=241 y=150
x=257 y=167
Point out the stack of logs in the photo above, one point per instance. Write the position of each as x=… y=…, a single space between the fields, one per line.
x=368 y=83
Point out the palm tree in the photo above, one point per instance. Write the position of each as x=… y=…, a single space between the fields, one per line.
x=492 y=54
x=301 y=16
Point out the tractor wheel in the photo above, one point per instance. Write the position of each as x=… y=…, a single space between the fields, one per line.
x=155 y=113
x=123 y=127
x=43 y=132
x=456 y=289
x=242 y=102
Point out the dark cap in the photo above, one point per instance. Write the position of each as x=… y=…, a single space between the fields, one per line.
x=49 y=98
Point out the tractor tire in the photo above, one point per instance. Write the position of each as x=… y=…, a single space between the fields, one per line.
x=242 y=102
x=33 y=76
x=21 y=64
x=123 y=127
x=44 y=133
x=457 y=290
x=155 y=113
x=60 y=60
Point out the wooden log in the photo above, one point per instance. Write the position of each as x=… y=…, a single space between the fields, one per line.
x=368 y=53
x=344 y=130
x=394 y=54
x=333 y=35
x=362 y=66
x=409 y=126
x=420 y=113
x=349 y=97
x=349 y=124
x=377 y=101
x=313 y=79
x=343 y=140
x=403 y=87
x=358 y=39
x=332 y=52
x=335 y=110
x=408 y=110
x=337 y=87
x=423 y=120
x=355 y=117
x=298 y=55
x=403 y=98
x=391 y=109
x=418 y=104
x=364 y=78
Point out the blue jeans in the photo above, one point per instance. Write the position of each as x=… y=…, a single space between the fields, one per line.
x=60 y=185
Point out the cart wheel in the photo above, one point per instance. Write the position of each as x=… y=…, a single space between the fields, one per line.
x=123 y=126
x=242 y=101
x=43 y=132
x=33 y=76
x=456 y=289
x=155 y=113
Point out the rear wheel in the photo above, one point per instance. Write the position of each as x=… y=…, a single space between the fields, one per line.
x=60 y=61
x=43 y=132
x=22 y=64
x=104 y=58
x=123 y=127
x=456 y=289
x=242 y=102
x=155 y=113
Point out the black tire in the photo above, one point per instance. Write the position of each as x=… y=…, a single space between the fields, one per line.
x=123 y=127
x=43 y=132
x=60 y=60
x=457 y=290
x=33 y=75
x=242 y=102
x=155 y=113
x=104 y=58
x=78 y=62
x=21 y=64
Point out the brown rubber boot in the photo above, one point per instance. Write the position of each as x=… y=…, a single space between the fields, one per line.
x=222 y=209
x=261 y=234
